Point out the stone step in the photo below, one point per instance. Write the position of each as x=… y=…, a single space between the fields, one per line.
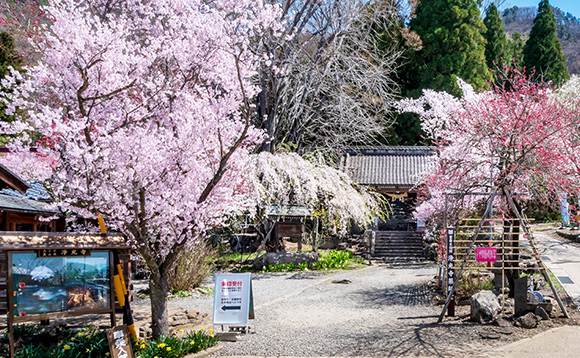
x=399 y=247
x=401 y=241
x=402 y=244
x=399 y=253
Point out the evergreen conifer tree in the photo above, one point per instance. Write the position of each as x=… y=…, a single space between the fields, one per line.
x=516 y=47
x=496 y=48
x=8 y=57
x=543 y=50
x=453 y=45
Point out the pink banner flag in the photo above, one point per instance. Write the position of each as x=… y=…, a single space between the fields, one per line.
x=486 y=254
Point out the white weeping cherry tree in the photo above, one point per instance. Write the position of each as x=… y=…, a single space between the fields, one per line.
x=330 y=194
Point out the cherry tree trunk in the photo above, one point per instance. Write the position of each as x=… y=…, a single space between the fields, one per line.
x=158 y=286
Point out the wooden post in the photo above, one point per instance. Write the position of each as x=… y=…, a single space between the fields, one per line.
x=542 y=267
x=10 y=291
x=451 y=270
x=315 y=241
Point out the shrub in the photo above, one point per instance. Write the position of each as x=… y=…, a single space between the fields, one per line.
x=471 y=283
x=334 y=260
x=191 y=268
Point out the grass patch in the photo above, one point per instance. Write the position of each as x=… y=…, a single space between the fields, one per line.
x=559 y=288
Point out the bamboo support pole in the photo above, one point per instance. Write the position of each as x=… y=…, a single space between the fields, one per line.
x=530 y=238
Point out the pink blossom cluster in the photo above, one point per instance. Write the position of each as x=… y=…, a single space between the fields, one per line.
x=143 y=106
x=519 y=136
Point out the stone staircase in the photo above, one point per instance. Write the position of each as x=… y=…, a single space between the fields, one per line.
x=398 y=246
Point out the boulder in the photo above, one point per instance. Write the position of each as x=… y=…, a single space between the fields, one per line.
x=284 y=257
x=502 y=322
x=484 y=306
x=191 y=314
x=528 y=321
x=179 y=319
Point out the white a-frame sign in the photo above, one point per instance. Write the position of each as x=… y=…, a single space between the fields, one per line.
x=233 y=300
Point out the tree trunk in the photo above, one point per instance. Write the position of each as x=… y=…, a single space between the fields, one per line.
x=159 y=287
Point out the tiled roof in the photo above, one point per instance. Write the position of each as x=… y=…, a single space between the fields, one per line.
x=13 y=203
x=35 y=191
x=388 y=166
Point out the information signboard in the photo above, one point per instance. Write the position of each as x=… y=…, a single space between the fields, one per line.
x=232 y=303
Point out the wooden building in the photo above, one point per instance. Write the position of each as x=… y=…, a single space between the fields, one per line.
x=23 y=205
x=394 y=171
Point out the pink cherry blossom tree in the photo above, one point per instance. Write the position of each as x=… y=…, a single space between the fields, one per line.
x=144 y=106
x=518 y=139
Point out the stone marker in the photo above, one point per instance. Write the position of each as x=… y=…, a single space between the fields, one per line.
x=521 y=296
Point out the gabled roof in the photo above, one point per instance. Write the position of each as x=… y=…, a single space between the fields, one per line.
x=388 y=166
x=35 y=191
x=9 y=180
x=24 y=205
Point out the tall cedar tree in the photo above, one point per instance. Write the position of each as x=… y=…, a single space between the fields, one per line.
x=406 y=130
x=516 y=50
x=453 y=45
x=8 y=57
x=496 y=48
x=543 y=51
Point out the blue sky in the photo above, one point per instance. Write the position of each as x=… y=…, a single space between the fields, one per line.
x=571 y=6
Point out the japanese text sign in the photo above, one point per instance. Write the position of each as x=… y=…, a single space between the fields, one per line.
x=119 y=342
x=232 y=299
x=486 y=254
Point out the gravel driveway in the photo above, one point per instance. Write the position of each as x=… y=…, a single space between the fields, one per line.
x=382 y=312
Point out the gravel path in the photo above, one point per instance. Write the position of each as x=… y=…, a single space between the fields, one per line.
x=382 y=312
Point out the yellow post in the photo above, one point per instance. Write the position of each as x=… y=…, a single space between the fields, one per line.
x=102 y=223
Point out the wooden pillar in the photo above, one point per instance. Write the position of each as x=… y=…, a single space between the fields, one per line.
x=451 y=277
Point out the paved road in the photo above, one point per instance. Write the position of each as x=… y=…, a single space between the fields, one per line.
x=564 y=262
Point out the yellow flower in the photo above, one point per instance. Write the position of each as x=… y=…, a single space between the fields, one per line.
x=181 y=330
x=211 y=335
x=168 y=349
x=142 y=346
x=192 y=342
x=66 y=346
x=195 y=332
x=72 y=339
x=80 y=334
x=202 y=329
x=87 y=351
x=107 y=354
x=161 y=345
x=210 y=330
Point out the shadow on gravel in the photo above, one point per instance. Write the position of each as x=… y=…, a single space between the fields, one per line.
x=428 y=339
x=397 y=343
x=304 y=276
x=406 y=295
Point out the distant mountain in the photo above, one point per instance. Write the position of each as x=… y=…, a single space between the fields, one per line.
x=520 y=20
